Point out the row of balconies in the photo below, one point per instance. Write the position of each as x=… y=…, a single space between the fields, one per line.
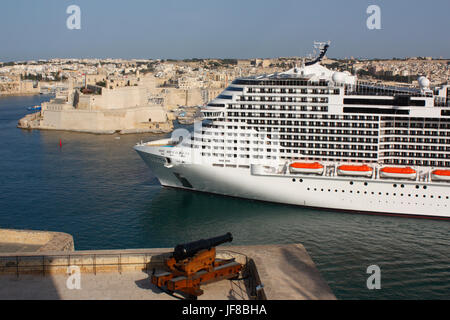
x=292 y=91
x=321 y=138
x=414 y=133
x=416 y=162
x=333 y=147
x=415 y=147
x=338 y=154
x=415 y=155
x=404 y=139
x=280 y=108
x=283 y=99
x=313 y=115
x=415 y=125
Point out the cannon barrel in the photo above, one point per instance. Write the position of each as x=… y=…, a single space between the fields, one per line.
x=187 y=250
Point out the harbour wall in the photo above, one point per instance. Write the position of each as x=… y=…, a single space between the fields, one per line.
x=137 y=119
x=43 y=241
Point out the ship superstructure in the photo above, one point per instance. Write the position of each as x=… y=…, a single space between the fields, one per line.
x=315 y=137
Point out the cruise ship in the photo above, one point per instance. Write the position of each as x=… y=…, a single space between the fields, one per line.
x=317 y=138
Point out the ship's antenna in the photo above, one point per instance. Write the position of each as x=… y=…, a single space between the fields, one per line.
x=322 y=47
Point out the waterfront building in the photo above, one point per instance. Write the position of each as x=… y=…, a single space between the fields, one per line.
x=101 y=110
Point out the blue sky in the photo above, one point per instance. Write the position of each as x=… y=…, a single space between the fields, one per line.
x=33 y=29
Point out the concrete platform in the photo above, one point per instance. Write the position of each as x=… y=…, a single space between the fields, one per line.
x=284 y=271
x=12 y=240
x=105 y=286
x=11 y=247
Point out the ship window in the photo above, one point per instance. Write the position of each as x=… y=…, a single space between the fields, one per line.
x=223 y=96
x=234 y=89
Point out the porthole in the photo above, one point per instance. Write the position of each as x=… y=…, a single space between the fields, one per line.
x=417 y=187
x=424 y=187
x=351 y=182
x=301 y=180
x=395 y=185
x=365 y=183
x=402 y=186
x=293 y=180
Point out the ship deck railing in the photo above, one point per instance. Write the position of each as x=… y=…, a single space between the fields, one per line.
x=368 y=88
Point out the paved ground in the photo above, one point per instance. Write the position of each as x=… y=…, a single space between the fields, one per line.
x=286 y=272
x=18 y=247
x=105 y=286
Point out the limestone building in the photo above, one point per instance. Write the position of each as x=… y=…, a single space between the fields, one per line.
x=101 y=110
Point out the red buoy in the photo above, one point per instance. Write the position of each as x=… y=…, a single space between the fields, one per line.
x=60 y=143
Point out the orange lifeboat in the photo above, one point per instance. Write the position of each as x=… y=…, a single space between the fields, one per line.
x=306 y=167
x=440 y=175
x=398 y=173
x=355 y=170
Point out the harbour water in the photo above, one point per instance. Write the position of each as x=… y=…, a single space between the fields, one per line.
x=97 y=188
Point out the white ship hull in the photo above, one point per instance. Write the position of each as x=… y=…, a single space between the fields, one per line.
x=399 y=197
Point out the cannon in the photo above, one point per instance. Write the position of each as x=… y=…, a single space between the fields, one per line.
x=193 y=264
x=187 y=250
